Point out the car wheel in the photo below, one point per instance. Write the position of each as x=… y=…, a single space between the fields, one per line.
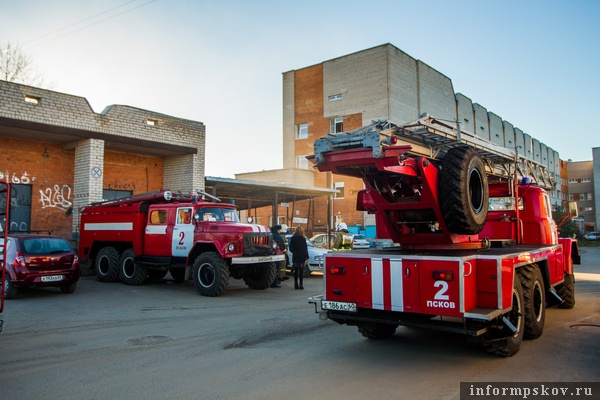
x=211 y=274
x=566 y=291
x=10 y=292
x=508 y=346
x=534 y=295
x=376 y=331
x=260 y=276
x=107 y=264
x=132 y=273
x=68 y=287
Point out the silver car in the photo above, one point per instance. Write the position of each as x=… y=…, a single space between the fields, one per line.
x=315 y=257
x=360 y=242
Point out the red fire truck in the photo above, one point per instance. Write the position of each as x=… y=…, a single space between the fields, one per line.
x=479 y=252
x=149 y=235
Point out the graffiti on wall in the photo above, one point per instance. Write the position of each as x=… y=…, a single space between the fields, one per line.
x=56 y=197
x=15 y=178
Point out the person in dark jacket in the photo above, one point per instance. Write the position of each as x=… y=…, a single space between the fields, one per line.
x=299 y=251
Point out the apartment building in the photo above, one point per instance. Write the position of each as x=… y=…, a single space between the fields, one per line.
x=582 y=191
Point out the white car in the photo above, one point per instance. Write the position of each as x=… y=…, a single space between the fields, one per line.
x=360 y=242
x=315 y=257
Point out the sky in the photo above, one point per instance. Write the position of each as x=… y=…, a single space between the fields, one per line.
x=535 y=63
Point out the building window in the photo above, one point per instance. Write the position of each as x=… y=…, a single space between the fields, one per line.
x=302 y=131
x=301 y=162
x=589 y=196
x=335 y=97
x=32 y=100
x=152 y=122
x=336 y=125
x=339 y=186
x=110 y=194
x=20 y=209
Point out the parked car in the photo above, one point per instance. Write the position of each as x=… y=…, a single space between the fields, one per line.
x=39 y=261
x=320 y=240
x=360 y=242
x=315 y=257
x=592 y=236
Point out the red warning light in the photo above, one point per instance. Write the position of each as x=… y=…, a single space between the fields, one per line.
x=443 y=275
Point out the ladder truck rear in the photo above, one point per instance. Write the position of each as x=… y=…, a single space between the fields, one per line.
x=479 y=252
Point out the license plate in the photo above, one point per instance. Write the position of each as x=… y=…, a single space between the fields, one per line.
x=338 y=306
x=52 y=278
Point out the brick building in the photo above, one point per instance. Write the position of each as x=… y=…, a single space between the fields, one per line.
x=59 y=155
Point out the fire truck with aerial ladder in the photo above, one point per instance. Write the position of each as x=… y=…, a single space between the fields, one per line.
x=479 y=251
x=150 y=235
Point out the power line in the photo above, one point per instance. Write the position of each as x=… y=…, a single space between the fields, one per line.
x=70 y=32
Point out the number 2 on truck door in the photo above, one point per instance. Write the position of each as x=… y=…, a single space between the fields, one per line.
x=183 y=232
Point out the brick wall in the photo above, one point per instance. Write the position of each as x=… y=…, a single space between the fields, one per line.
x=70 y=166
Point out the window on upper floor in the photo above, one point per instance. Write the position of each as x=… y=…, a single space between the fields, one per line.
x=335 y=97
x=336 y=125
x=301 y=162
x=302 y=131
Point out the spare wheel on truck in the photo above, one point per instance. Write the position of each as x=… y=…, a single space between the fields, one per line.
x=463 y=191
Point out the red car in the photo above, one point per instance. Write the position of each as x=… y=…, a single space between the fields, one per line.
x=39 y=261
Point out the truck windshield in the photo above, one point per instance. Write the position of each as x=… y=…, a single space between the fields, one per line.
x=504 y=204
x=217 y=214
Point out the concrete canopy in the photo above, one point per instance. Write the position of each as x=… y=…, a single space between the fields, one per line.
x=253 y=194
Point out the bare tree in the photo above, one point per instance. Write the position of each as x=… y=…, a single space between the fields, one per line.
x=16 y=66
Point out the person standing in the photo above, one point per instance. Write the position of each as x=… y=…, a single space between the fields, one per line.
x=299 y=251
x=343 y=239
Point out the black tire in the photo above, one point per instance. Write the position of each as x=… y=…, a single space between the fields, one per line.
x=68 y=287
x=106 y=264
x=566 y=291
x=178 y=274
x=377 y=331
x=534 y=294
x=509 y=346
x=10 y=291
x=132 y=273
x=260 y=276
x=463 y=191
x=211 y=275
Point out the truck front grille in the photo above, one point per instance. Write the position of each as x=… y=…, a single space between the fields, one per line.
x=258 y=243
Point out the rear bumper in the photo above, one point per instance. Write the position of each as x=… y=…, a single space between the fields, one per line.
x=474 y=324
x=35 y=278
